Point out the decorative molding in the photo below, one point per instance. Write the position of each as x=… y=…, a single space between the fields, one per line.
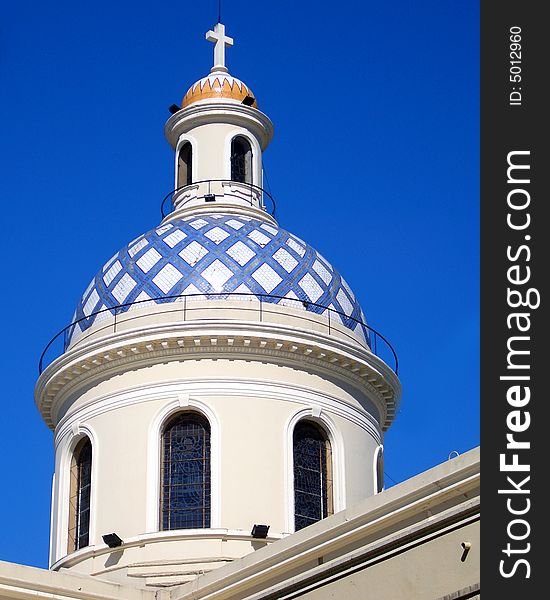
x=316 y=411
x=219 y=208
x=202 y=388
x=60 y=497
x=183 y=400
x=115 y=353
x=206 y=112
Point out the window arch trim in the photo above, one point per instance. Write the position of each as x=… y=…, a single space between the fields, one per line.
x=154 y=448
x=319 y=417
x=59 y=546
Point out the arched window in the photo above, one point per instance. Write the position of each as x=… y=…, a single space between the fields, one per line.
x=313 y=497
x=241 y=160
x=185 y=473
x=80 y=495
x=380 y=470
x=185 y=165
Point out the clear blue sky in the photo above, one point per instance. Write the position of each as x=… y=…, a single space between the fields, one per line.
x=375 y=163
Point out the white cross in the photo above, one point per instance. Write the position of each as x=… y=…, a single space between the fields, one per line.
x=220 y=42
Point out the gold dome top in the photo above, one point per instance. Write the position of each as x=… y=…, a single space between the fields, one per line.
x=219 y=85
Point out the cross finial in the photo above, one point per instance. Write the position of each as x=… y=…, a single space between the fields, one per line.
x=220 y=42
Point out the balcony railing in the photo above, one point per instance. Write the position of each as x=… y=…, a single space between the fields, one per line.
x=211 y=190
x=331 y=321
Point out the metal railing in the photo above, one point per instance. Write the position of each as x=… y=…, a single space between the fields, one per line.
x=377 y=343
x=255 y=191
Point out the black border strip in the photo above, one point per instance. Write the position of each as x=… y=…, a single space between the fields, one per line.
x=514 y=119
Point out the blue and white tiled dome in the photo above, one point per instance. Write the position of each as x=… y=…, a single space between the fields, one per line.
x=215 y=254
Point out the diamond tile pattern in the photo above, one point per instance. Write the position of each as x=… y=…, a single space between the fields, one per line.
x=285 y=259
x=148 y=260
x=174 y=238
x=241 y=253
x=215 y=254
x=167 y=278
x=267 y=278
x=312 y=289
x=216 y=273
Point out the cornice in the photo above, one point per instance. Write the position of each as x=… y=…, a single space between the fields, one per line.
x=206 y=112
x=221 y=209
x=116 y=353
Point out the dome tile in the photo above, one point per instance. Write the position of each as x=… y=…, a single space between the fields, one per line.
x=219 y=253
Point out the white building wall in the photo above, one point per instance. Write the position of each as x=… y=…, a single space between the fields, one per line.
x=252 y=408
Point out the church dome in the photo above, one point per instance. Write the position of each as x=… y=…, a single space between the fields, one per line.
x=219 y=86
x=225 y=254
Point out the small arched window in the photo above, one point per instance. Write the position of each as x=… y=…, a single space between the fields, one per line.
x=80 y=495
x=313 y=496
x=185 y=473
x=380 y=470
x=241 y=160
x=185 y=165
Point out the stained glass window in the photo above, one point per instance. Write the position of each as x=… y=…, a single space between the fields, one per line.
x=380 y=470
x=185 y=473
x=312 y=475
x=241 y=160
x=80 y=495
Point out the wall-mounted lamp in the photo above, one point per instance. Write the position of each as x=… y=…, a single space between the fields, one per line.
x=466 y=547
x=260 y=531
x=249 y=100
x=112 y=540
x=174 y=108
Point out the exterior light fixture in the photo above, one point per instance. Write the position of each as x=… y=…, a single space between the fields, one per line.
x=260 y=531
x=209 y=197
x=466 y=547
x=112 y=540
x=174 y=108
x=249 y=100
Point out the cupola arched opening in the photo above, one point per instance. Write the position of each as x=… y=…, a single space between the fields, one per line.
x=185 y=165
x=185 y=473
x=313 y=488
x=241 y=160
x=80 y=495
x=380 y=470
